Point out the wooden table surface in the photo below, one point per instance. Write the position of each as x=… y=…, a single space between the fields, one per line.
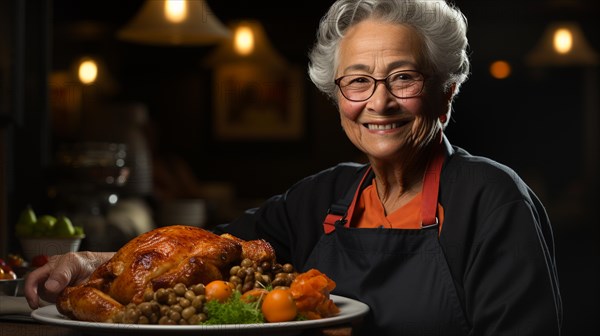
x=10 y=328
x=26 y=328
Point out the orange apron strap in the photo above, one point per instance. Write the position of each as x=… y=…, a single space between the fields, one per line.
x=338 y=212
x=431 y=187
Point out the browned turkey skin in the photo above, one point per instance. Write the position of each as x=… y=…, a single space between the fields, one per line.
x=157 y=259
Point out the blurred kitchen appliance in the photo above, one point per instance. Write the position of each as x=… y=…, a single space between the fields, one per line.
x=89 y=177
x=191 y=211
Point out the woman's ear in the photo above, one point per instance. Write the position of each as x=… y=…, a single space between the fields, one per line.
x=449 y=93
x=447 y=97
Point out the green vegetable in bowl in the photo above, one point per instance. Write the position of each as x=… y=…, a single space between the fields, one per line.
x=30 y=225
x=63 y=227
x=233 y=311
x=44 y=225
x=26 y=222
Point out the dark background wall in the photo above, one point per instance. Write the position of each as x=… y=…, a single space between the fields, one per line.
x=534 y=121
x=520 y=121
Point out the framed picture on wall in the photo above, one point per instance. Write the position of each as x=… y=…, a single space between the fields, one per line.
x=253 y=103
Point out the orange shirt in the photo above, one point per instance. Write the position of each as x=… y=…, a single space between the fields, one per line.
x=369 y=212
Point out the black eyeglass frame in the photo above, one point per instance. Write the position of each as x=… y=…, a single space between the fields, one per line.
x=385 y=82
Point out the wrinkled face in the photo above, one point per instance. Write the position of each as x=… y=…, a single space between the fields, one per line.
x=384 y=126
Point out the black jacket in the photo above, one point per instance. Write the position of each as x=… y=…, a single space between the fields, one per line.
x=496 y=238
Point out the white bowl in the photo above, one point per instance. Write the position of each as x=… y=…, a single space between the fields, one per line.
x=49 y=246
x=11 y=287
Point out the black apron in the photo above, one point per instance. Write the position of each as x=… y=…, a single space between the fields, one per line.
x=401 y=274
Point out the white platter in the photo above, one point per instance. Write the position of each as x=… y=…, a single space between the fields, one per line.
x=350 y=311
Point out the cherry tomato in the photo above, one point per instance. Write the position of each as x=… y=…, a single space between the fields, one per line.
x=279 y=306
x=5 y=267
x=39 y=260
x=15 y=260
x=7 y=274
x=218 y=290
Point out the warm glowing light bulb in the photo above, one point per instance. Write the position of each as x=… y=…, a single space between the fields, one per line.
x=175 y=10
x=244 y=40
x=500 y=69
x=88 y=72
x=563 y=40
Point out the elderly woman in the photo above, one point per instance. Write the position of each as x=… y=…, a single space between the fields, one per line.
x=436 y=241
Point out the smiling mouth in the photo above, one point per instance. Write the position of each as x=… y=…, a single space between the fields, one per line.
x=382 y=127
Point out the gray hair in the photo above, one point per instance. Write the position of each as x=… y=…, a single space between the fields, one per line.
x=443 y=29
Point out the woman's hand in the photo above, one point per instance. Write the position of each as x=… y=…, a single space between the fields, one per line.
x=47 y=281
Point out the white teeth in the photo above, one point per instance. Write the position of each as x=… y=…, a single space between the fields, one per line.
x=382 y=127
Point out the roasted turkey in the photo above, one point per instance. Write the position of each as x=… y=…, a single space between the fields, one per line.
x=157 y=259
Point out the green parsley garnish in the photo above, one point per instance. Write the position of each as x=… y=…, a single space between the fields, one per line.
x=233 y=311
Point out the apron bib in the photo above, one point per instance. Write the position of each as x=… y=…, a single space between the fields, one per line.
x=401 y=274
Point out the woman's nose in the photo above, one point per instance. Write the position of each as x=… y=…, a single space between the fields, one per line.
x=381 y=98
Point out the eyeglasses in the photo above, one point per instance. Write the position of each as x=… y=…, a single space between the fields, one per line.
x=401 y=84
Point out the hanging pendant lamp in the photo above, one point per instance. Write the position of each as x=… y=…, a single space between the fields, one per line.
x=175 y=23
x=563 y=44
x=249 y=45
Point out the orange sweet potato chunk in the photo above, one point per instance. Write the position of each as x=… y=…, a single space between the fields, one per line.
x=311 y=292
